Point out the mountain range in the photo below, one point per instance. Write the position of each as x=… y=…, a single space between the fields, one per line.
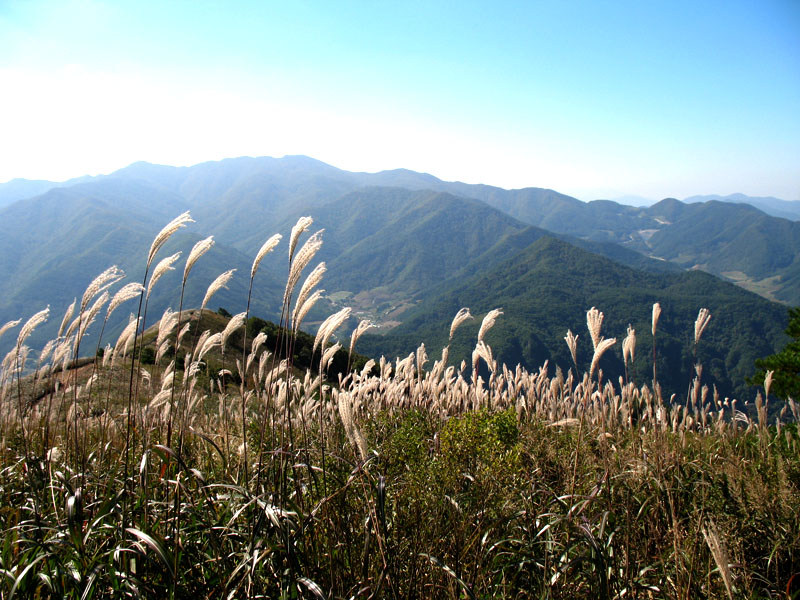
x=407 y=250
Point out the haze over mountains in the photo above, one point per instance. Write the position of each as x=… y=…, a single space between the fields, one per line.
x=408 y=250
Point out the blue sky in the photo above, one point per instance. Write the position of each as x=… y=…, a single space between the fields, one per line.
x=594 y=99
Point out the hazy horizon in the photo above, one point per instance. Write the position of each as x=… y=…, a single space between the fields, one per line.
x=666 y=99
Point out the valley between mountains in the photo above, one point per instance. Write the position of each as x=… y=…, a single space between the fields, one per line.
x=407 y=250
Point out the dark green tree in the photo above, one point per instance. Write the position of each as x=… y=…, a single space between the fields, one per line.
x=785 y=364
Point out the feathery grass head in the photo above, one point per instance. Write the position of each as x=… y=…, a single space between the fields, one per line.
x=572 y=344
x=700 y=324
x=31 y=324
x=125 y=293
x=482 y=351
x=310 y=283
x=126 y=336
x=198 y=250
x=488 y=322
x=602 y=346
x=768 y=382
x=87 y=319
x=328 y=355
x=220 y=282
x=304 y=256
x=362 y=326
x=235 y=323
x=594 y=323
x=164 y=265
x=656 y=315
x=461 y=316
x=266 y=248
x=302 y=224
x=302 y=310
x=629 y=345
x=107 y=278
x=163 y=235
x=329 y=325
x=67 y=316
x=10 y=325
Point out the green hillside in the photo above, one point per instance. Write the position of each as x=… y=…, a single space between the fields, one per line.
x=548 y=287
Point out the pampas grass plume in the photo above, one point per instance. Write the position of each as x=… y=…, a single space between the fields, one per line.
x=31 y=324
x=602 y=346
x=268 y=247
x=107 y=278
x=572 y=344
x=125 y=293
x=304 y=256
x=163 y=235
x=488 y=322
x=220 y=282
x=329 y=325
x=656 y=315
x=12 y=324
x=198 y=250
x=164 y=265
x=363 y=326
x=594 y=323
x=629 y=345
x=310 y=283
x=67 y=316
x=461 y=316
x=235 y=323
x=700 y=324
x=302 y=224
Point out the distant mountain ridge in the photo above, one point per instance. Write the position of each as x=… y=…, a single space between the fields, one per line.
x=395 y=241
x=786 y=209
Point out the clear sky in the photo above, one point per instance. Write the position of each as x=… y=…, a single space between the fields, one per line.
x=594 y=99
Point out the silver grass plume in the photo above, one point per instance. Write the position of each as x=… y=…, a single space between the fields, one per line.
x=602 y=346
x=211 y=342
x=656 y=315
x=163 y=235
x=164 y=265
x=306 y=306
x=107 y=278
x=768 y=383
x=31 y=324
x=125 y=293
x=167 y=324
x=594 y=323
x=235 y=323
x=309 y=284
x=9 y=325
x=302 y=224
x=700 y=324
x=198 y=250
x=220 y=282
x=363 y=325
x=328 y=355
x=717 y=548
x=572 y=344
x=268 y=247
x=67 y=316
x=91 y=315
x=329 y=325
x=125 y=337
x=482 y=351
x=304 y=256
x=629 y=345
x=461 y=316
x=488 y=322
x=257 y=342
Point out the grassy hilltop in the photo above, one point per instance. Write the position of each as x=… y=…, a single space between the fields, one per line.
x=207 y=455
